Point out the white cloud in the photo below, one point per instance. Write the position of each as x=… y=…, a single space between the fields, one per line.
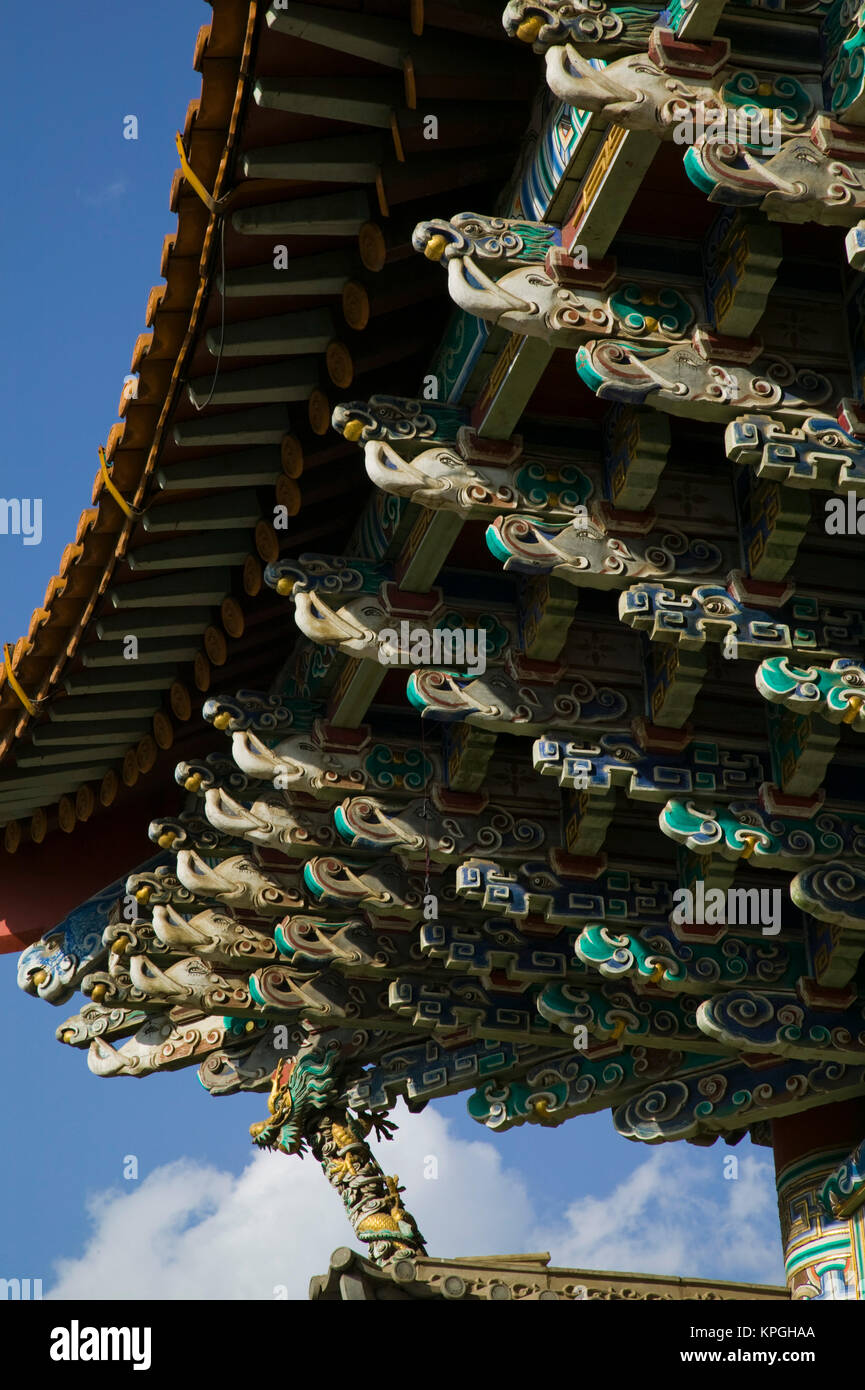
x=676 y=1213
x=101 y=197
x=190 y=1231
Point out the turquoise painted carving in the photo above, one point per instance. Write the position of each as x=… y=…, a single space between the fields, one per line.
x=560 y=486
x=405 y=769
x=656 y=955
x=509 y=239
x=733 y=1095
x=399 y=420
x=746 y=831
x=592 y=26
x=844 y=1192
x=785 y=96
x=555 y=1089
x=640 y=313
x=835 y=693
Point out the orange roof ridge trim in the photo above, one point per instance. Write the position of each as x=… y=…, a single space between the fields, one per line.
x=57 y=627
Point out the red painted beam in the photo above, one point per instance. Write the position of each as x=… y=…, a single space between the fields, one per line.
x=840 y=1125
x=41 y=884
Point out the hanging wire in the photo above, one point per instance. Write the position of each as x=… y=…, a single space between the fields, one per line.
x=205 y=404
x=425 y=809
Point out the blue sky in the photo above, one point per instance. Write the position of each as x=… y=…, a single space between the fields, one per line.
x=85 y=215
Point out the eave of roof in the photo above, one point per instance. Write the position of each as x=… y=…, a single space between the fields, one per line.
x=223 y=126
x=222 y=54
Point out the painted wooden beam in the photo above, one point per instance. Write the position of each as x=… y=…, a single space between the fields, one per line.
x=50 y=740
x=344 y=159
x=426 y=548
x=165 y=651
x=120 y=676
x=67 y=878
x=214 y=548
x=19 y=785
x=635 y=448
x=156 y=622
x=240 y=427
x=283 y=335
x=208 y=586
x=336 y=214
x=291 y=380
x=607 y=189
x=249 y=467
x=220 y=513
x=364 y=36
x=368 y=101
x=433 y=63
x=123 y=704
x=695 y=20
x=742 y=254
x=303 y=276
x=354 y=692
x=510 y=385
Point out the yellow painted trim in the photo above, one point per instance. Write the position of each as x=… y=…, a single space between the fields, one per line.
x=106 y=478
x=192 y=178
x=13 y=681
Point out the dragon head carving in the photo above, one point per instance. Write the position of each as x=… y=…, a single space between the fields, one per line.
x=299 y=1086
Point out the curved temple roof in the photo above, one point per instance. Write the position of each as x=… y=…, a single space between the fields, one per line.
x=306 y=134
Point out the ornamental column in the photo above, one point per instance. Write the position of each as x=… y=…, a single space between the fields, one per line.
x=821 y=1199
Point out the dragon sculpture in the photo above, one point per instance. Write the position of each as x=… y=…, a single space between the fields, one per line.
x=305 y=1110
